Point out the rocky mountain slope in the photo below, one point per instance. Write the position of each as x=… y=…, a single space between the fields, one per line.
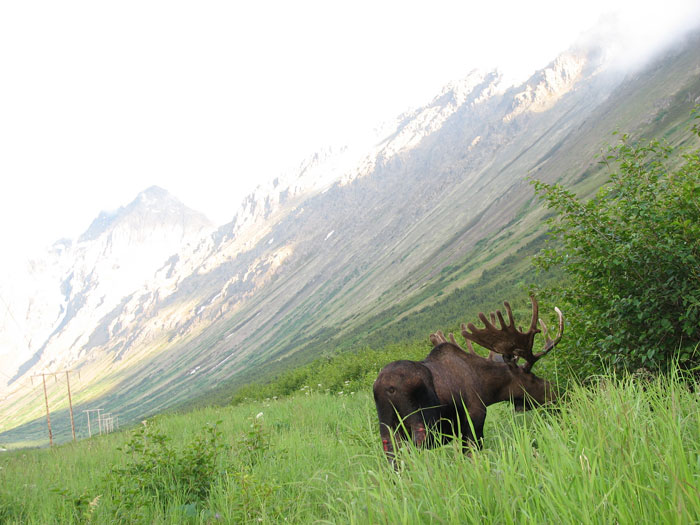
x=355 y=232
x=57 y=301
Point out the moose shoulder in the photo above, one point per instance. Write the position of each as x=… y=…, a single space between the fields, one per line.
x=450 y=384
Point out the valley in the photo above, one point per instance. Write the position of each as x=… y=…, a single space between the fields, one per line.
x=356 y=250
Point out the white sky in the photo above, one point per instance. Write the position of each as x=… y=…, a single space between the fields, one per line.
x=99 y=100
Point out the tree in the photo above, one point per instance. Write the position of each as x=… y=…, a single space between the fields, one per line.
x=632 y=255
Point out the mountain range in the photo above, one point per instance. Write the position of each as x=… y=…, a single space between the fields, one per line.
x=154 y=306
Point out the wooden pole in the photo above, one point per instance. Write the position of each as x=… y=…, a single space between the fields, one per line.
x=70 y=404
x=98 y=410
x=48 y=416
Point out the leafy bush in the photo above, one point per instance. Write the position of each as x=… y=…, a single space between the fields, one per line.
x=633 y=257
x=78 y=507
x=158 y=474
x=253 y=444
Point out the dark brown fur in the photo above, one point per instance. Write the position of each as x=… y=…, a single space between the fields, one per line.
x=449 y=390
x=438 y=392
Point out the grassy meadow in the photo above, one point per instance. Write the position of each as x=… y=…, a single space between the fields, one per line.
x=620 y=450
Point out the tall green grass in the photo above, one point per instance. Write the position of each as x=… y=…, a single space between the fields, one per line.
x=623 y=450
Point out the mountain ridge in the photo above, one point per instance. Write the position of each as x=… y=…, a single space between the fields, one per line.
x=117 y=252
x=299 y=267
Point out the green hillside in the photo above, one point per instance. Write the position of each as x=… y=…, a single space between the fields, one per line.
x=621 y=451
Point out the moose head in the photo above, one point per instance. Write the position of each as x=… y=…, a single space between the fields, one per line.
x=449 y=390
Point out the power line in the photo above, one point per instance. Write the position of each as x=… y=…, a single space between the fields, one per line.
x=9 y=394
x=21 y=331
x=18 y=383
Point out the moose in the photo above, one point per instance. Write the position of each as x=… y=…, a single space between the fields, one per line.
x=449 y=390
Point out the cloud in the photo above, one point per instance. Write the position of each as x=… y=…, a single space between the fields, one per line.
x=633 y=33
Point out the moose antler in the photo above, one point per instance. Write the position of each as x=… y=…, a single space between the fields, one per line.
x=438 y=337
x=550 y=343
x=510 y=342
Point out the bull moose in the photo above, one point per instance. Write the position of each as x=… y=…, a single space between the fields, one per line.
x=449 y=390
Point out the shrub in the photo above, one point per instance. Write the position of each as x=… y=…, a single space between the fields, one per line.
x=632 y=253
x=157 y=474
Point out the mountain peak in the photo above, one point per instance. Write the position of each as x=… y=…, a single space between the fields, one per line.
x=154 y=193
x=546 y=86
x=151 y=201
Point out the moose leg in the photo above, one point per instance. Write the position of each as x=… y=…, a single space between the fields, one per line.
x=418 y=433
x=387 y=443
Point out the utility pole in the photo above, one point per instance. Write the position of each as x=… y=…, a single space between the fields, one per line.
x=105 y=421
x=48 y=415
x=98 y=410
x=46 y=401
x=70 y=404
